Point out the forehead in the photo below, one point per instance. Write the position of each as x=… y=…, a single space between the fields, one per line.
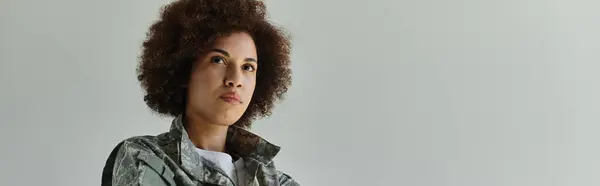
x=238 y=43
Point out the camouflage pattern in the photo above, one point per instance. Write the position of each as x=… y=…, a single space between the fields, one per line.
x=170 y=159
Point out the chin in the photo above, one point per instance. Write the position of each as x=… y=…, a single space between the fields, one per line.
x=222 y=118
x=227 y=117
x=226 y=121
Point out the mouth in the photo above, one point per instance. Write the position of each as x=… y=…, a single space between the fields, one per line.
x=231 y=97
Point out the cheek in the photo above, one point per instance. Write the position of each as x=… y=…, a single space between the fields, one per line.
x=200 y=85
x=250 y=86
x=207 y=76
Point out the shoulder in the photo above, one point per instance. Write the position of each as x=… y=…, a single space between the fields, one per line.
x=135 y=146
x=146 y=143
x=286 y=179
x=126 y=151
x=122 y=166
x=282 y=178
x=137 y=143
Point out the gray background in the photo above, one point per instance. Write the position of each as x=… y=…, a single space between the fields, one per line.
x=420 y=92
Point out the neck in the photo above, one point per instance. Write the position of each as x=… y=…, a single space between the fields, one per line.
x=205 y=135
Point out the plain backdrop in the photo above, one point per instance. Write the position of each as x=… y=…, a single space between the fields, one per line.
x=403 y=92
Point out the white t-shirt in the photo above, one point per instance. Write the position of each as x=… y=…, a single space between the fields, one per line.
x=235 y=170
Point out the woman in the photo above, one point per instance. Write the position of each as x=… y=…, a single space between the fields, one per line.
x=215 y=66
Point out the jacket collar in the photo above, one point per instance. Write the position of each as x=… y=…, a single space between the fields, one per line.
x=239 y=142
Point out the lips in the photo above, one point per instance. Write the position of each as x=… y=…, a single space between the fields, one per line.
x=231 y=97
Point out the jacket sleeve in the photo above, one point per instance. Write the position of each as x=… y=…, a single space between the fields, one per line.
x=127 y=169
x=286 y=180
x=135 y=164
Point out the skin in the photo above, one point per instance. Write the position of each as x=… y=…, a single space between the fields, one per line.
x=230 y=66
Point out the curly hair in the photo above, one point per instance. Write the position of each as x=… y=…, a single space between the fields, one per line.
x=187 y=29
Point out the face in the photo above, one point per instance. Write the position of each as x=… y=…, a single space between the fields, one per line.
x=223 y=80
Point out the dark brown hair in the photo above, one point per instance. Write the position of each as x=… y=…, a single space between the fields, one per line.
x=185 y=31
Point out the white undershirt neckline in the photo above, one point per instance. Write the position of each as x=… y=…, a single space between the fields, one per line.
x=224 y=161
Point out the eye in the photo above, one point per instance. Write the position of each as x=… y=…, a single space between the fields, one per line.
x=248 y=68
x=217 y=59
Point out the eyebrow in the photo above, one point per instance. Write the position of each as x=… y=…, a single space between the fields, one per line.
x=227 y=54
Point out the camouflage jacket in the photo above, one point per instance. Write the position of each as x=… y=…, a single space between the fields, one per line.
x=170 y=159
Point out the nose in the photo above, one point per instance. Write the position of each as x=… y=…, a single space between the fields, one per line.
x=233 y=79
